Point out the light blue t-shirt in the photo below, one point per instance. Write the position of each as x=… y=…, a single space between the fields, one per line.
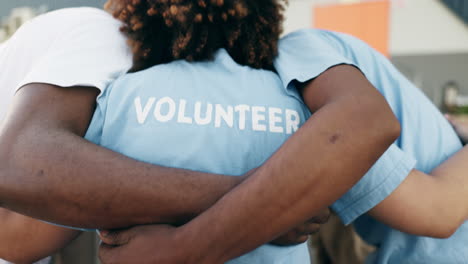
x=426 y=138
x=216 y=117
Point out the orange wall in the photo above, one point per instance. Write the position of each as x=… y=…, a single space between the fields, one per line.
x=369 y=21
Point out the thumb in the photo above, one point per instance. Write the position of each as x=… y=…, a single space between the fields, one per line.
x=116 y=237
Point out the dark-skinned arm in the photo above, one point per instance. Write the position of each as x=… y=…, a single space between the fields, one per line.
x=48 y=171
x=351 y=128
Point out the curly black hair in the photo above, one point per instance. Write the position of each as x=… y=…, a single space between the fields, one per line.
x=160 y=31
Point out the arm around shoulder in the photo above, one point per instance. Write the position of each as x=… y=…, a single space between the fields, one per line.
x=48 y=171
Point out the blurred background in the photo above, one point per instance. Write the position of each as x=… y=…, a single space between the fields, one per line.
x=426 y=39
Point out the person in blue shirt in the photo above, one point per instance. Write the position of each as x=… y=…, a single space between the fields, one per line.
x=407 y=207
x=405 y=198
x=225 y=115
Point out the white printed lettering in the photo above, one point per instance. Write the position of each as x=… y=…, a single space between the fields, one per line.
x=271 y=119
x=275 y=119
x=208 y=116
x=242 y=109
x=227 y=116
x=292 y=121
x=181 y=116
x=170 y=112
x=142 y=113
x=257 y=117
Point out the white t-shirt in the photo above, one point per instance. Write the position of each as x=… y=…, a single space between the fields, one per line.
x=67 y=47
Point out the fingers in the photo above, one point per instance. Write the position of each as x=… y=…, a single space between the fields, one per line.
x=116 y=238
x=308 y=229
x=291 y=238
x=302 y=233
x=299 y=239
x=322 y=218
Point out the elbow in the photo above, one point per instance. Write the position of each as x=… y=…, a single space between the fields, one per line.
x=382 y=120
x=449 y=228
x=440 y=230
x=392 y=129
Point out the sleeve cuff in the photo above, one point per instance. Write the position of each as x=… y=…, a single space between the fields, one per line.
x=350 y=209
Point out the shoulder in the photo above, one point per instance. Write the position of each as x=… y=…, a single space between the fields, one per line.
x=304 y=33
x=315 y=36
x=306 y=54
x=74 y=15
x=74 y=46
x=323 y=39
x=53 y=24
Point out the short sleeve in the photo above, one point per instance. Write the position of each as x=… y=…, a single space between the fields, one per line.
x=379 y=182
x=96 y=126
x=304 y=55
x=89 y=51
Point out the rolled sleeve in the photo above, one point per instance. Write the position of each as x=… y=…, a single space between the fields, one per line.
x=381 y=180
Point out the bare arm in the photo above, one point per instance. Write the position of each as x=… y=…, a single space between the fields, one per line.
x=26 y=240
x=351 y=128
x=42 y=151
x=429 y=205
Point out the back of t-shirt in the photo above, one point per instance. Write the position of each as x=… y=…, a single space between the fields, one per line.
x=216 y=117
x=67 y=47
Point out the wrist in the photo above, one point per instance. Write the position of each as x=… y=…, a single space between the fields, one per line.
x=201 y=247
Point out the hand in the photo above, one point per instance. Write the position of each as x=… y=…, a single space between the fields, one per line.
x=144 y=245
x=461 y=126
x=300 y=234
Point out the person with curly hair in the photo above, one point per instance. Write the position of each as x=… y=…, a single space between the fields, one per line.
x=400 y=206
x=164 y=31
x=203 y=91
